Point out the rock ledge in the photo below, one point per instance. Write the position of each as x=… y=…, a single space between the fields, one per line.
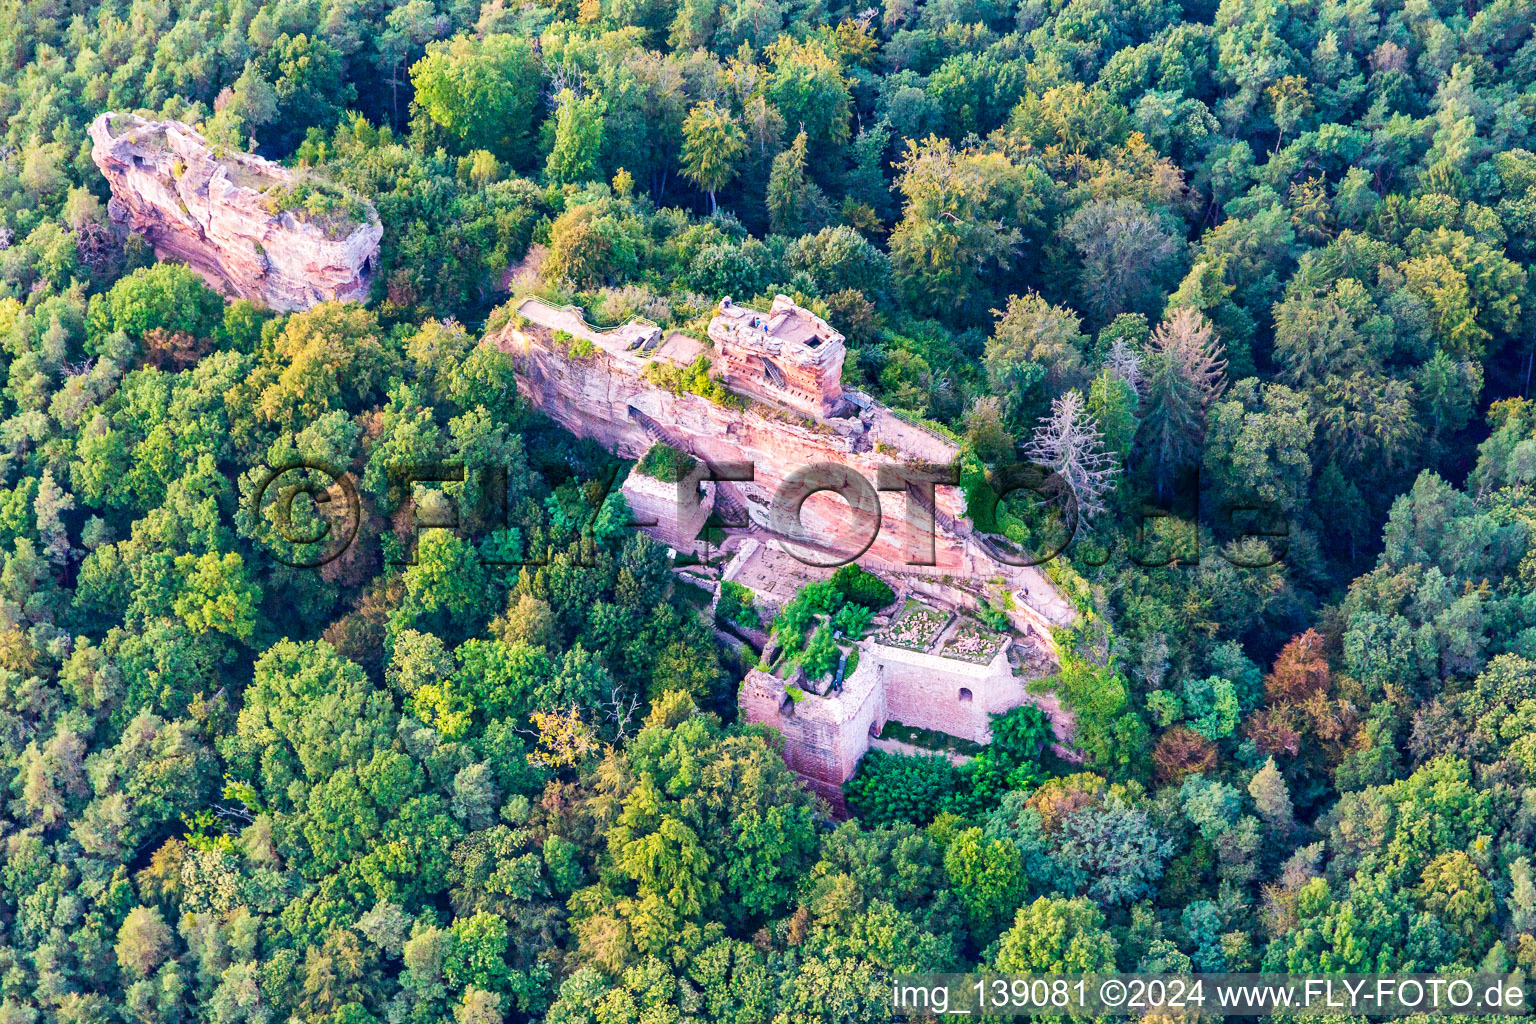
x=253 y=228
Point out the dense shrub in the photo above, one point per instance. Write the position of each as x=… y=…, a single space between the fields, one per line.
x=863 y=587
x=890 y=788
x=665 y=463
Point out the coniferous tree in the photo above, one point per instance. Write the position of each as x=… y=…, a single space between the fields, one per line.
x=796 y=204
x=1185 y=373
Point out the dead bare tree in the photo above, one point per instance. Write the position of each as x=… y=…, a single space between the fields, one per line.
x=1125 y=362
x=1189 y=341
x=1069 y=442
x=620 y=709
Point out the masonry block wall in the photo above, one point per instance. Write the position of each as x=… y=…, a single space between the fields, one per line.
x=928 y=696
x=824 y=737
x=653 y=501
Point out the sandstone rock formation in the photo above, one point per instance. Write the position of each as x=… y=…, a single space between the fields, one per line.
x=607 y=394
x=620 y=388
x=253 y=228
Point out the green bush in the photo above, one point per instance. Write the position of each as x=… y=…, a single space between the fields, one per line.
x=993 y=617
x=1021 y=735
x=667 y=464
x=736 y=605
x=890 y=788
x=862 y=587
x=821 y=655
x=336 y=210
x=1108 y=728
x=694 y=379
x=852 y=620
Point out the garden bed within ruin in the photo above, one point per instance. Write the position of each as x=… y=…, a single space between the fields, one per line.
x=916 y=629
x=974 y=643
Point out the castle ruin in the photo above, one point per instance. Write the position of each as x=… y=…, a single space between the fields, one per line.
x=605 y=385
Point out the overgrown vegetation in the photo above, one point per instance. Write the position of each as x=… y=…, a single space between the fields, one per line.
x=812 y=629
x=692 y=379
x=665 y=463
x=862 y=588
x=929 y=739
x=918 y=789
x=737 y=605
x=336 y=211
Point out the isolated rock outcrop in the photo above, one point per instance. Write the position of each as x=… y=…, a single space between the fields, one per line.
x=255 y=229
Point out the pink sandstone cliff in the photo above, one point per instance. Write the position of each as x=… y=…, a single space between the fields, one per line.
x=221 y=214
x=605 y=395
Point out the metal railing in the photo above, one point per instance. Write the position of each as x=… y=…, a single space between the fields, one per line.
x=581 y=316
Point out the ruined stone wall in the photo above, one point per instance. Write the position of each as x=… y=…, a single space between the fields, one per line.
x=824 y=737
x=598 y=396
x=653 y=501
x=786 y=355
x=796 y=387
x=923 y=691
x=1022 y=616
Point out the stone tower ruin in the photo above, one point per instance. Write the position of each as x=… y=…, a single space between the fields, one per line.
x=787 y=356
